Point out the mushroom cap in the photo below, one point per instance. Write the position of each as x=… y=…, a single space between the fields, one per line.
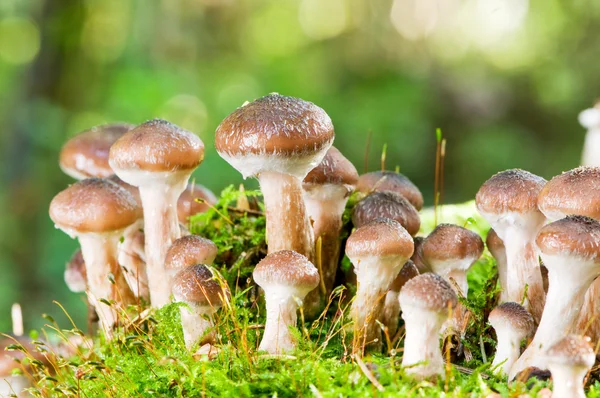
x=575 y=191
x=449 y=242
x=512 y=190
x=428 y=292
x=157 y=146
x=408 y=271
x=274 y=133
x=572 y=350
x=190 y=250
x=573 y=235
x=286 y=268
x=390 y=205
x=196 y=284
x=75 y=273
x=381 y=237
x=86 y=154
x=94 y=205
x=417 y=256
x=333 y=169
x=391 y=181
x=494 y=244
x=514 y=316
x=188 y=206
x=8 y=358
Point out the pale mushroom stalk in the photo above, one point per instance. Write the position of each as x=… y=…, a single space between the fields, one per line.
x=569 y=360
x=422 y=342
x=281 y=315
x=391 y=306
x=567 y=381
x=132 y=258
x=497 y=249
x=508 y=350
x=195 y=321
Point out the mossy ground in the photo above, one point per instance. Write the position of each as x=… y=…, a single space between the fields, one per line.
x=147 y=357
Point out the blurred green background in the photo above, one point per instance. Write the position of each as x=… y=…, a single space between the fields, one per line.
x=504 y=79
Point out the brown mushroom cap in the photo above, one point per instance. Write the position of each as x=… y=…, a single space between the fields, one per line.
x=286 y=268
x=390 y=181
x=494 y=244
x=408 y=271
x=196 y=284
x=8 y=357
x=429 y=292
x=86 y=154
x=387 y=205
x=156 y=146
x=94 y=205
x=573 y=235
x=513 y=315
x=572 y=350
x=510 y=191
x=381 y=237
x=451 y=242
x=334 y=169
x=190 y=250
x=575 y=191
x=188 y=206
x=75 y=273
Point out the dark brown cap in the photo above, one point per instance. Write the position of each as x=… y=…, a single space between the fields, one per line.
x=573 y=235
x=190 y=250
x=451 y=242
x=94 y=205
x=494 y=244
x=196 y=284
x=510 y=191
x=572 y=350
x=188 y=206
x=390 y=181
x=387 y=205
x=274 y=127
x=408 y=271
x=132 y=190
x=429 y=292
x=86 y=154
x=333 y=169
x=381 y=237
x=157 y=145
x=417 y=256
x=286 y=268
x=75 y=273
x=575 y=191
x=513 y=315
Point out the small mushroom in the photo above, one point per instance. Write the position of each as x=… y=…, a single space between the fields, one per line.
x=75 y=274
x=391 y=307
x=387 y=205
x=278 y=139
x=197 y=287
x=286 y=277
x=188 y=205
x=512 y=324
x=378 y=250
x=377 y=181
x=498 y=251
x=590 y=119
x=132 y=258
x=158 y=158
x=426 y=302
x=569 y=360
x=189 y=250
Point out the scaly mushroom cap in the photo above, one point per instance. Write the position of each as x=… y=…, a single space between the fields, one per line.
x=157 y=146
x=573 y=235
x=94 y=205
x=275 y=133
x=494 y=244
x=513 y=315
x=334 y=169
x=190 y=250
x=429 y=292
x=572 y=350
x=449 y=242
x=86 y=154
x=381 y=237
x=575 y=191
x=196 y=284
x=387 y=205
x=408 y=271
x=75 y=273
x=390 y=181
x=510 y=191
x=188 y=206
x=286 y=268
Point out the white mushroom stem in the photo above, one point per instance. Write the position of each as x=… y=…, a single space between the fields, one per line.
x=422 y=354
x=391 y=312
x=196 y=320
x=132 y=258
x=501 y=265
x=569 y=279
x=288 y=225
x=281 y=315
x=590 y=119
x=588 y=323
x=567 y=381
x=508 y=349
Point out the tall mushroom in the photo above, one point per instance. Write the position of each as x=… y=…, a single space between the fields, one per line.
x=377 y=181
x=570 y=249
x=286 y=277
x=569 y=360
x=96 y=212
x=326 y=191
x=189 y=250
x=590 y=119
x=498 y=251
x=391 y=306
x=426 y=302
x=278 y=139
x=378 y=250
x=508 y=201
x=390 y=205
x=157 y=157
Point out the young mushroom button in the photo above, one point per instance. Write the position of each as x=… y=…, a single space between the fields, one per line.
x=278 y=140
x=75 y=274
x=189 y=250
x=188 y=205
x=387 y=205
x=377 y=181
x=569 y=360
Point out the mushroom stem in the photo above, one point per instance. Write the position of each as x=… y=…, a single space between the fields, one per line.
x=422 y=353
x=567 y=381
x=508 y=350
x=195 y=322
x=288 y=226
x=132 y=258
x=281 y=315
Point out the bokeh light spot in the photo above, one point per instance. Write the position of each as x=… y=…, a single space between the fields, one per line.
x=323 y=19
x=19 y=40
x=186 y=111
